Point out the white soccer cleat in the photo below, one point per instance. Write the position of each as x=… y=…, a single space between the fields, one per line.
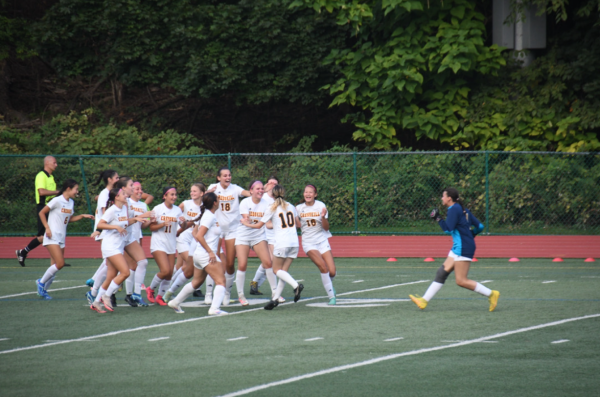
x=243 y=300
x=216 y=312
x=173 y=305
x=281 y=299
x=226 y=299
x=208 y=299
x=168 y=296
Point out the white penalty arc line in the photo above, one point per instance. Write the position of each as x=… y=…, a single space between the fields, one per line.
x=410 y=353
x=35 y=292
x=18 y=349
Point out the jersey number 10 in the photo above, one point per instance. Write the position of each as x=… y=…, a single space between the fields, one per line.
x=290 y=220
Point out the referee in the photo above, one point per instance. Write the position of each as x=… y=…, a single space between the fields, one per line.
x=45 y=190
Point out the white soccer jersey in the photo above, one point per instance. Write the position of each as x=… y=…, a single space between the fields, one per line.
x=312 y=223
x=228 y=213
x=101 y=203
x=284 y=225
x=269 y=232
x=111 y=239
x=191 y=211
x=61 y=210
x=255 y=212
x=209 y=220
x=165 y=238
x=138 y=208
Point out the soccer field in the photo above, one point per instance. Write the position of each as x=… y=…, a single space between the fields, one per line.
x=543 y=338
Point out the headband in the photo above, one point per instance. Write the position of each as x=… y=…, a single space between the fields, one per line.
x=313 y=186
x=137 y=183
x=169 y=191
x=254 y=183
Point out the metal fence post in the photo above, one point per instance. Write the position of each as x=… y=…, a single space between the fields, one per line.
x=87 y=194
x=487 y=192
x=229 y=161
x=355 y=196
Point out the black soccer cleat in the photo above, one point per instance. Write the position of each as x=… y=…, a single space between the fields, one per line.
x=198 y=293
x=130 y=301
x=272 y=305
x=297 y=292
x=113 y=300
x=21 y=256
x=66 y=264
x=254 y=288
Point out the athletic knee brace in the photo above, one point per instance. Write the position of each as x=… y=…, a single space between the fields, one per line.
x=441 y=275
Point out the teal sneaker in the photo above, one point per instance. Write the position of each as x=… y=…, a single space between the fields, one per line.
x=332 y=301
x=90 y=282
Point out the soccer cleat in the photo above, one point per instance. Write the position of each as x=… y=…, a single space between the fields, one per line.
x=281 y=299
x=168 y=296
x=21 y=256
x=96 y=306
x=150 y=295
x=226 y=299
x=297 y=292
x=333 y=289
x=198 y=294
x=113 y=300
x=129 y=299
x=207 y=299
x=173 y=305
x=160 y=300
x=90 y=282
x=40 y=288
x=107 y=303
x=271 y=305
x=494 y=300
x=243 y=300
x=254 y=288
x=139 y=300
x=46 y=296
x=90 y=298
x=419 y=301
x=216 y=312
x=332 y=301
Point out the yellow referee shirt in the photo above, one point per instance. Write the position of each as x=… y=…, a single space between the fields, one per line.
x=44 y=180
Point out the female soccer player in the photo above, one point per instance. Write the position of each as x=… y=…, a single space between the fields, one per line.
x=228 y=216
x=186 y=244
x=164 y=243
x=283 y=216
x=253 y=209
x=59 y=213
x=315 y=237
x=458 y=224
x=206 y=258
x=114 y=237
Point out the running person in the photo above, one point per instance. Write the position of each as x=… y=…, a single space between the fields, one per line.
x=228 y=216
x=283 y=216
x=186 y=243
x=164 y=243
x=458 y=224
x=253 y=209
x=206 y=258
x=315 y=237
x=113 y=224
x=55 y=217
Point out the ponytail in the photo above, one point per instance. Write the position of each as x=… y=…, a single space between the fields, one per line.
x=278 y=194
x=104 y=175
x=68 y=184
x=112 y=195
x=208 y=201
x=453 y=194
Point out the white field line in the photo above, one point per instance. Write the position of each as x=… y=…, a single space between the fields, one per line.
x=485 y=281
x=393 y=339
x=409 y=353
x=313 y=339
x=561 y=341
x=1 y=339
x=357 y=281
x=161 y=338
x=548 y=282
x=35 y=292
x=239 y=338
x=189 y=320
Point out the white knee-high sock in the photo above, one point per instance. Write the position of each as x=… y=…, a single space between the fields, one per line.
x=101 y=292
x=112 y=288
x=483 y=290
x=210 y=284
x=155 y=282
x=140 y=275
x=327 y=284
x=185 y=293
x=279 y=290
x=129 y=282
x=272 y=279
x=432 y=290
x=229 y=279
x=178 y=282
x=240 y=280
x=50 y=272
x=175 y=275
x=49 y=282
x=99 y=278
x=260 y=272
x=103 y=264
x=163 y=287
x=218 y=297
x=285 y=276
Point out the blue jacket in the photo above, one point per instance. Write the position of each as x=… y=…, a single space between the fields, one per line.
x=458 y=225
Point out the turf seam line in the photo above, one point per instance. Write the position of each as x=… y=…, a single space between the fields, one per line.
x=145 y=327
x=35 y=292
x=409 y=353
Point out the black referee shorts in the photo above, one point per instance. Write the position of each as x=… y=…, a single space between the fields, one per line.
x=41 y=229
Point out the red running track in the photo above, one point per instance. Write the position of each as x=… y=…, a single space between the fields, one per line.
x=379 y=247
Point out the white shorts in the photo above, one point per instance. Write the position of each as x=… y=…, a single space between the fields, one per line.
x=159 y=246
x=230 y=235
x=130 y=239
x=109 y=253
x=287 y=252
x=184 y=242
x=250 y=243
x=201 y=260
x=459 y=258
x=49 y=241
x=322 y=247
x=271 y=241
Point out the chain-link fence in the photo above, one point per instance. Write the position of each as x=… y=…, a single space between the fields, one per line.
x=366 y=193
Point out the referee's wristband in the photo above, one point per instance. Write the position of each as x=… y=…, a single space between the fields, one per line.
x=99 y=230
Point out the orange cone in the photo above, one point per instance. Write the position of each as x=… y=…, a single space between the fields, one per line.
x=514 y=260
x=557 y=260
x=475 y=260
x=429 y=260
x=590 y=260
x=392 y=260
